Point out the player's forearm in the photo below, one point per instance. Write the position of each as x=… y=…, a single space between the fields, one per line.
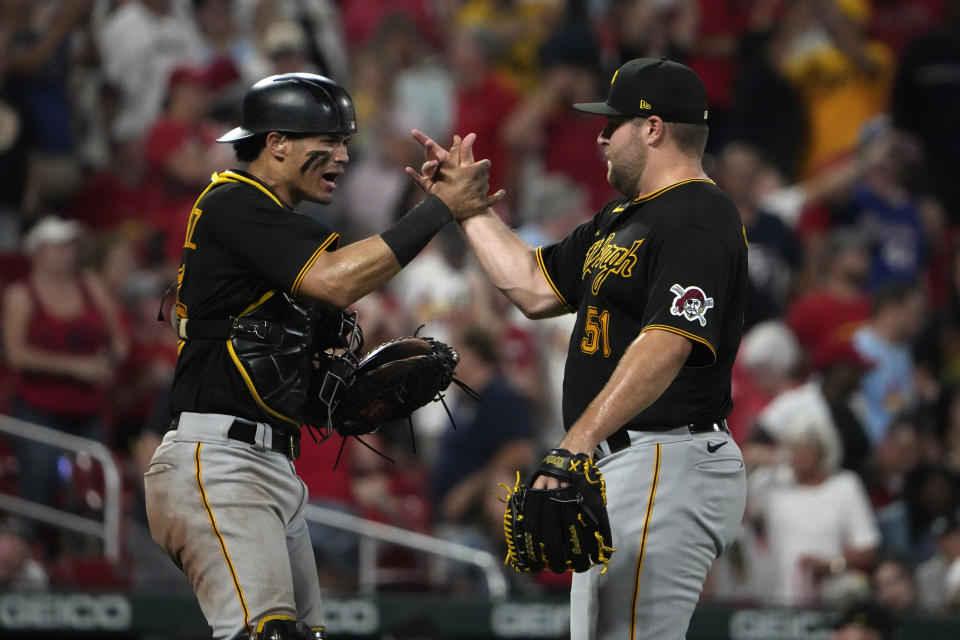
x=344 y=276
x=645 y=371
x=511 y=265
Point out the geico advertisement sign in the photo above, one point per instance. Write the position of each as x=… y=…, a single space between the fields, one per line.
x=356 y=617
x=778 y=624
x=113 y=612
x=534 y=620
x=65 y=611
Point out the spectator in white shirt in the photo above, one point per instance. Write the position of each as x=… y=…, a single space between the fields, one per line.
x=141 y=42
x=816 y=517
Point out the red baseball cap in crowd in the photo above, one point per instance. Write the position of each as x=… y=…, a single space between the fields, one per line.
x=219 y=73
x=653 y=86
x=186 y=75
x=216 y=75
x=831 y=351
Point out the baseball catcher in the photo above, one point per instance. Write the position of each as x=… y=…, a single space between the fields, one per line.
x=564 y=529
x=266 y=346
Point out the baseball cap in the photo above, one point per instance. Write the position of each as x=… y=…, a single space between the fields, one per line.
x=831 y=351
x=186 y=75
x=216 y=75
x=653 y=86
x=772 y=345
x=50 y=230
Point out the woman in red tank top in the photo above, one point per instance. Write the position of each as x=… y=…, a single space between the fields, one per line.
x=61 y=338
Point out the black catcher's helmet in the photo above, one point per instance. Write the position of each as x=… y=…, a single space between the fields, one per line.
x=295 y=103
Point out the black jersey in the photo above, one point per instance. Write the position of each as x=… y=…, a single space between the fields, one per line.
x=674 y=260
x=242 y=243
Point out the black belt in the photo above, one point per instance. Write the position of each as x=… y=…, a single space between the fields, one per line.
x=620 y=439
x=245 y=431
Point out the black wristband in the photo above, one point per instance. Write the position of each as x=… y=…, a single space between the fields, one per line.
x=415 y=229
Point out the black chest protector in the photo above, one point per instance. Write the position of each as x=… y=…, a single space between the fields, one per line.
x=295 y=356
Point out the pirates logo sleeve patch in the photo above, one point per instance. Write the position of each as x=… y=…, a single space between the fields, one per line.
x=691 y=303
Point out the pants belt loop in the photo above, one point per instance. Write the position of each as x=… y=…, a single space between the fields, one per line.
x=264 y=437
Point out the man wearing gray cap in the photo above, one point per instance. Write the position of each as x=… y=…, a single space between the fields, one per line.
x=657 y=279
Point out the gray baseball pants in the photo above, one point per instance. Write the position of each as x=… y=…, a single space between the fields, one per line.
x=675 y=501
x=230 y=514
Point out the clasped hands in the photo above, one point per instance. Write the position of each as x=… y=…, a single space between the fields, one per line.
x=454 y=176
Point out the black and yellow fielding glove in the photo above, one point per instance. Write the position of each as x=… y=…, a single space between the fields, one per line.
x=564 y=529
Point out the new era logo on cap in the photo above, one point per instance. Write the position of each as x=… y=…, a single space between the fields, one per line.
x=653 y=86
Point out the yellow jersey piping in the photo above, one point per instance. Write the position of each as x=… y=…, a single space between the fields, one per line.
x=243 y=372
x=643 y=544
x=229 y=176
x=651 y=196
x=223 y=546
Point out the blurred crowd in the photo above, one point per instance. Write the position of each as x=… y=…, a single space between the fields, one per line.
x=832 y=125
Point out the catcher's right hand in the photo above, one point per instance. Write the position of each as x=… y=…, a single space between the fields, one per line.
x=563 y=529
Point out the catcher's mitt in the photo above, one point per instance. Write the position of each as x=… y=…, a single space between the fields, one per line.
x=393 y=381
x=563 y=529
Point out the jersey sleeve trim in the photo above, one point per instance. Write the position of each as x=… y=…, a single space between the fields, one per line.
x=685 y=334
x=553 y=287
x=306 y=267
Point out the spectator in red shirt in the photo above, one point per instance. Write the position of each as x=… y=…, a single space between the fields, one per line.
x=117 y=196
x=483 y=100
x=62 y=339
x=362 y=19
x=180 y=156
x=544 y=127
x=835 y=308
x=713 y=55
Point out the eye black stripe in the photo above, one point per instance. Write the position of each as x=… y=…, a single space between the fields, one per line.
x=312 y=157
